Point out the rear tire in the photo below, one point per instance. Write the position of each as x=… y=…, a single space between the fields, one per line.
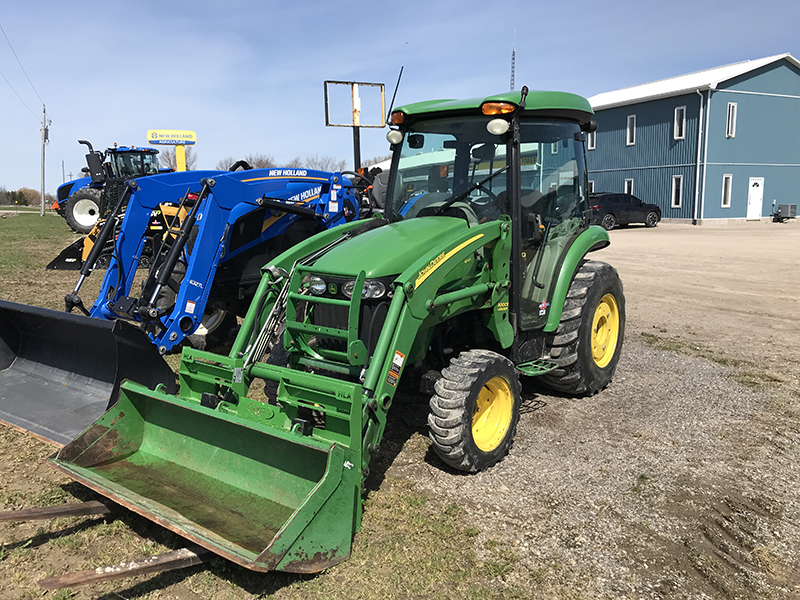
x=475 y=410
x=82 y=210
x=588 y=342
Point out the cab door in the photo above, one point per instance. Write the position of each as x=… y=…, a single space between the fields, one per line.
x=553 y=199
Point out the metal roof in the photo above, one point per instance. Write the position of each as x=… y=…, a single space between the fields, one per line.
x=682 y=84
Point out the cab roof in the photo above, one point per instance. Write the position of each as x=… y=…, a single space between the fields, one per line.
x=133 y=149
x=549 y=103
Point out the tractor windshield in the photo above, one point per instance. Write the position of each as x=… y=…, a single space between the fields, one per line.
x=457 y=159
x=135 y=164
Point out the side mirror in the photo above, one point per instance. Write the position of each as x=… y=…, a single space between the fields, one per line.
x=416 y=141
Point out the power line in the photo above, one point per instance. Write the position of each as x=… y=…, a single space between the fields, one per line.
x=20 y=64
x=20 y=97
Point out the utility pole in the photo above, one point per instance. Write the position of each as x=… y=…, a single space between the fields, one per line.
x=45 y=139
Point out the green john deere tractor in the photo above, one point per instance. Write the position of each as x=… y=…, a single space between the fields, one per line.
x=478 y=273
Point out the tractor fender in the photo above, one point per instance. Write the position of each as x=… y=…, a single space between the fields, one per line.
x=591 y=239
x=65 y=190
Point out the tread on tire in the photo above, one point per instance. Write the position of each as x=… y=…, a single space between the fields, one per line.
x=475 y=410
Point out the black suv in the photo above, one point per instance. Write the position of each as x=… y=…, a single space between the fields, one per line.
x=610 y=210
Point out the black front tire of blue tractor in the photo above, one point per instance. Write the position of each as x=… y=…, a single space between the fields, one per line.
x=587 y=344
x=475 y=410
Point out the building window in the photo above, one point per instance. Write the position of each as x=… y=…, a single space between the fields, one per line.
x=727 y=185
x=630 y=134
x=628 y=189
x=679 y=124
x=554 y=148
x=591 y=140
x=730 y=125
x=591 y=186
x=677 y=191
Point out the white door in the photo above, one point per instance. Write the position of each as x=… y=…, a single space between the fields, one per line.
x=755 y=198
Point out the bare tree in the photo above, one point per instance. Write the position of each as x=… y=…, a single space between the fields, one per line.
x=167 y=160
x=294 y=163
x=32 y=197
x=257 y=161
x=266 y=161
x=325 y=163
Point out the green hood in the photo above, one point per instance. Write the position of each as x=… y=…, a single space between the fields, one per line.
x=390 y=249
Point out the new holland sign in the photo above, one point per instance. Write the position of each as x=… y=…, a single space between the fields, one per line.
x=172 y=137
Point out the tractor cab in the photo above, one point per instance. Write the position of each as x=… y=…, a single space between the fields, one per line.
x=128 y=162
x=481 y=159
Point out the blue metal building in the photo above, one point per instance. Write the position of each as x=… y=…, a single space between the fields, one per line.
x=716 y=144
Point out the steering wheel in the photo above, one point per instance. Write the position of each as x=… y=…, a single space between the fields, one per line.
x=493 y=200
x=488 y=192
x=365 y=181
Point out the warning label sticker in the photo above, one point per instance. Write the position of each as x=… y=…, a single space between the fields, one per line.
x=190 y=307
x=394 y=371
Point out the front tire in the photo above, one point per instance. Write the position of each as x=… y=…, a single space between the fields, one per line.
x=652 y=219
x=475 y=410
x=82 y=210
x=588 y=342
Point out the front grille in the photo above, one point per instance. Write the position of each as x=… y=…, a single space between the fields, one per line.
x=371 y=320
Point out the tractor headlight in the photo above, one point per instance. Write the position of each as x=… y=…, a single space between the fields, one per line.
x=316 y=285
x=372 y=289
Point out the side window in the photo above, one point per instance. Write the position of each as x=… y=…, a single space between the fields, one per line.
x=679 y=123
x=730 y=124
x=727 y=186
x=630 y=131
x=677 y=191
x=628 y=187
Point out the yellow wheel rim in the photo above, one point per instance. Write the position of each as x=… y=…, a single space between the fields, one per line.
x=605 y=330
x=492 y=417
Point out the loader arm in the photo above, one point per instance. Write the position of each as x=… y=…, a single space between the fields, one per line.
x=232 y=219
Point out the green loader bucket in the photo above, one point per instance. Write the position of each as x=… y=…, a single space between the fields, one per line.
x=256 y=491
x=60 y=371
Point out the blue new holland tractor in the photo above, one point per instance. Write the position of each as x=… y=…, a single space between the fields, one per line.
x=204 y=269
x=83 y=201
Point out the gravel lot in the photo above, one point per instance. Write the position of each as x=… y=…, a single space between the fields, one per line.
x=681 y=479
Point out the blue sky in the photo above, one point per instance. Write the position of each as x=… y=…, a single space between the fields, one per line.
x=247 y=76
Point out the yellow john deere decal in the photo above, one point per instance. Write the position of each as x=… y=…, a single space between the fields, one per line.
x=441 y=259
